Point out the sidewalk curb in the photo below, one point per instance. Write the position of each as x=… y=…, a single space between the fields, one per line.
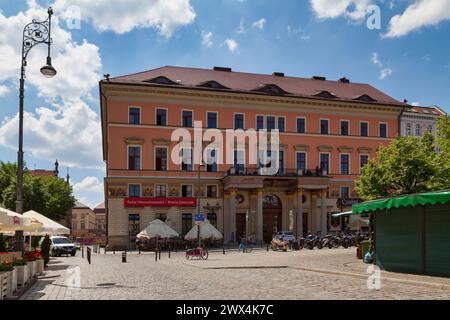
x=383 y=278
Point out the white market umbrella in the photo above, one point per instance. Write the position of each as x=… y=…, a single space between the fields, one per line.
x=11 y=221
x=157 y=229
x=207 y=232
x=49 y=226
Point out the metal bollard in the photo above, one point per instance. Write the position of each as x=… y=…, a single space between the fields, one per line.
x=124 y=257
x=156 y=255
x=88 y=252
x=159 y=254
x=267 y=247
x=223 y=249
x=82 y=251
x=169 y=251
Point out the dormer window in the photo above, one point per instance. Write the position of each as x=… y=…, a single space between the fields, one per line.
x=213 y=85
x=325 y=94
x=271 y=89
x=162 y=80
x=365 y=98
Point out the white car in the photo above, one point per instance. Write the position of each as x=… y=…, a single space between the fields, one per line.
x=60 y=245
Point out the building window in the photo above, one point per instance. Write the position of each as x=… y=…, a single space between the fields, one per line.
x=364 y=129
x=187 y=119
x=430 y=128
x=160 y=191
x=211 y=191
x=259 y=122
x=186 y=165
x=281 y=124
x=301 y=161
x=239 y=160
x=161 y=159
x=363 y=160
x=344 y=128
x=324 y=126
x=134 y=115
x=186 y=191
x=74 y=226
x=212 y=218
x=161 y=117
x=134 y=158
x=345 y=192
x=270 y=123
x=301 y=125
x=383 y=130
x=408 y=129
x=134 y=190
x=238 y=121
x=212 y=120
x=418 y=130
x=186 y=223
x=211 y=165
x=83 y=226
x=281 y=162
x=134 y=225
x=325 y=162
x=345 y=164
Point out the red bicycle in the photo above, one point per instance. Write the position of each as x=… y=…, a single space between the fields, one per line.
x=200 y=253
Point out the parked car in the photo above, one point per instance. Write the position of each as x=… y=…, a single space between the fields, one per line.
x=286 y=236
x=60 y=245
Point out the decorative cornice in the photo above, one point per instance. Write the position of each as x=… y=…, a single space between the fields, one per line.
x=301 y=147
x=325 y=148
x=365 y=150
x=345 y=149
x=161 y=142
x=134 y=140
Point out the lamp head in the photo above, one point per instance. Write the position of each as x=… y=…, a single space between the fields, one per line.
x=48 y=71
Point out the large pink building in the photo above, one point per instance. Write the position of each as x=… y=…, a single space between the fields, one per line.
x=328 y=131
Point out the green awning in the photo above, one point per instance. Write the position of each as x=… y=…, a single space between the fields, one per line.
x=433 y=198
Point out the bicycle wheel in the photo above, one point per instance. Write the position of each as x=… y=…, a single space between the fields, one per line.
x=204 y=254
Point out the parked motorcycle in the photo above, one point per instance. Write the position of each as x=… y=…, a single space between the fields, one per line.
x=327 y=241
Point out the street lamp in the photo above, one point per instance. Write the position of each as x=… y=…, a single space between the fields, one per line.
x=34 y=33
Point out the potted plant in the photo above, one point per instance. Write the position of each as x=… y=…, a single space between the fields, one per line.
x=5 y=279
x=22 y=271
x=29 y=256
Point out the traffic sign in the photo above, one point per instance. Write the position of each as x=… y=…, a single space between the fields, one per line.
x=199 y=218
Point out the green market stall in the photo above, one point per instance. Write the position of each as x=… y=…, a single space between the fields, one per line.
x=412 y=232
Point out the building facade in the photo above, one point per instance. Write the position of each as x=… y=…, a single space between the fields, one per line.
x=83 y=221
x=328 y=130
x=418 y=120
x=100 y=220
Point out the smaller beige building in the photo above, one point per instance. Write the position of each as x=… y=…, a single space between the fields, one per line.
x=83 y=221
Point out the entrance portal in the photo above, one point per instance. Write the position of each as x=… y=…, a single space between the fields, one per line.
x=272 y=216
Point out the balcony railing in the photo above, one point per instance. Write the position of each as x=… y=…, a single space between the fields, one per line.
x=281 y=172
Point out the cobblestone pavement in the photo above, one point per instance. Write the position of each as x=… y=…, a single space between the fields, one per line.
x=318 y=274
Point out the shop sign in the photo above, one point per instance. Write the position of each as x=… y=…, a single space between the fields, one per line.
x=160 y=202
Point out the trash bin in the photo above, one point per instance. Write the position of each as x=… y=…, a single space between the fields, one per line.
x=365 y=247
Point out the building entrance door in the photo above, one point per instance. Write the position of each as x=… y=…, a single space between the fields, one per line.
x=272 y=216
x=240 y=226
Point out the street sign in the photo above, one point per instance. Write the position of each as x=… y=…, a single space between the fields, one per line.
x=199 y=218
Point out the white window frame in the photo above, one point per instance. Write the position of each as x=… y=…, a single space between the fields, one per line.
x=190 y=110
x=256 y=121
x=387 y=129
x=234 y=119
x=368 y=158
x=329 y=160
x=217 y=119
x=192 y=159
x=192 y=189
x=128 y=156
x=167 y=116
x=340 y=127
x=217 y=190
x=278 y=123
x=140 y=115
x=368 y=129
x=154 y=157
x=136 y=184
x=162 y=184
x=349 y=163
x=296 y=125
x=306 y=159
x=320 y=127
x=340 y=191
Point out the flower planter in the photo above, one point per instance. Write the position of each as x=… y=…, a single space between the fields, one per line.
x=22 y=275
x=13 y=282
x=40 y=267
x=32 y=268
x=4 y=284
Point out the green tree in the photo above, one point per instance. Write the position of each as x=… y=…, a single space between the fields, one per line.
x=409 y=165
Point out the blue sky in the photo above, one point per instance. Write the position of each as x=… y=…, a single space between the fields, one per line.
x=408 y=58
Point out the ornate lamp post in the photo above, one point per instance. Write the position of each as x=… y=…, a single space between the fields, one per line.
x=34 y=33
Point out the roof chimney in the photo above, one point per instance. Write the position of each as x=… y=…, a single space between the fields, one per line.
x=222 y=69
x=405 y=100
x=319 y=78
x=278 y=74
x=344 y=80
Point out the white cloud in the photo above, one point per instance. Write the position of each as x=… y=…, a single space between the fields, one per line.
x=419 y=14
x=70 y=133
x=89 y=184
x=241 y=29
x=259 y=24
x=385 y=73
x=207 y=39
x=232 y=45
x=376 y=60
x=122 y=16
x=4 y=90
x=329 y=9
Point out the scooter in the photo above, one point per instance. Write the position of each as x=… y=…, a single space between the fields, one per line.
x=279 y=244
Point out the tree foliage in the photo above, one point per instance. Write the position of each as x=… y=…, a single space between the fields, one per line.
x=48 y=195
x=409 y=165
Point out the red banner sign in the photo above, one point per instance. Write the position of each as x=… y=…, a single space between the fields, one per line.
x=160 y=202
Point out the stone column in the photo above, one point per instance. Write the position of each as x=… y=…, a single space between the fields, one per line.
x=318 y=217
x=323 y=206
x=299 y=220
x=232 y=215
x=259 y=215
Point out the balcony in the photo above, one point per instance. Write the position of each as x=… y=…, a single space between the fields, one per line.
x=293 y=173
